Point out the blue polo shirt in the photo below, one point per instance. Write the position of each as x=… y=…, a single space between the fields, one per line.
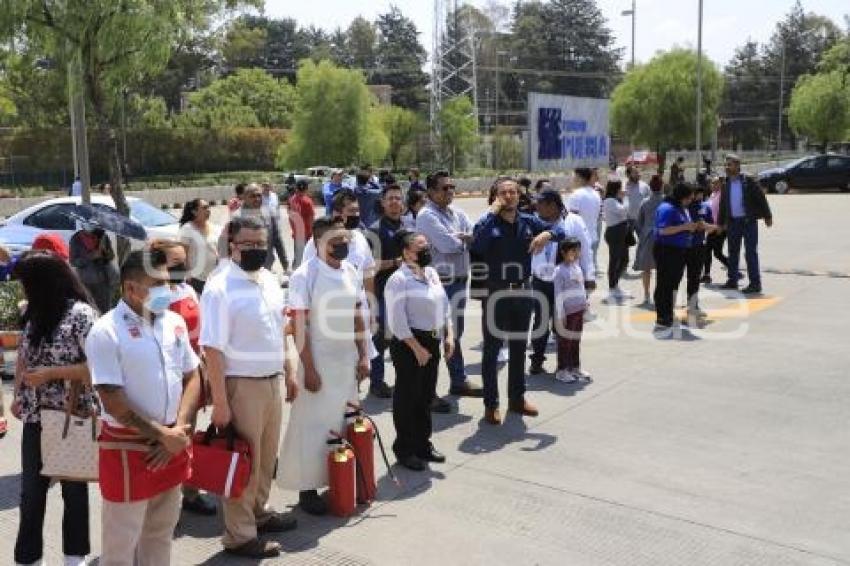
x=367 y=197
x=700 y=211
x=328 y=192
x=504 y=245
x=666 y=216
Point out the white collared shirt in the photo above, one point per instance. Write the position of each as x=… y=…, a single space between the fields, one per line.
x=147 y=360
x=544 y=262
x=242 y=316
x=416 y=303
x=359 y=252
x=586 y=203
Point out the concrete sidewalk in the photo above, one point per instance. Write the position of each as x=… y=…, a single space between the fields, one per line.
x=723 y=446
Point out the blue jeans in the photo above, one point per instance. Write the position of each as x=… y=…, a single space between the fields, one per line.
x=379 y=339
x=746 y=229
x=457 y=303
x=511 y=315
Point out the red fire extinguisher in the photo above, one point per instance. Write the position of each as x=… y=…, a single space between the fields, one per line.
x=341 y=476
x=361 y=433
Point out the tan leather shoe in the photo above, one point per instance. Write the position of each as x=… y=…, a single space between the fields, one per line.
x=523 y=407
x=492 y=416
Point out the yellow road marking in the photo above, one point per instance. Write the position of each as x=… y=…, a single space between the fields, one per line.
x=741 y=309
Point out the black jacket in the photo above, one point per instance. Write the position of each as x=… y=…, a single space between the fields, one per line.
x=755 y=202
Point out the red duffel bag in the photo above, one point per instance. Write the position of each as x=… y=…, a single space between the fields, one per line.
x=221 y=463
x=123 y=470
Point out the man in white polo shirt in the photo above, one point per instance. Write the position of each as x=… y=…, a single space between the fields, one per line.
x=140 y=361
x=242 y=334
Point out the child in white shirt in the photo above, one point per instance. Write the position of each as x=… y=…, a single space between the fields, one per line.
x=570 y=304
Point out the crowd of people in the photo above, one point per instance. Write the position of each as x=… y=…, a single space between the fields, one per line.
x=203 y=320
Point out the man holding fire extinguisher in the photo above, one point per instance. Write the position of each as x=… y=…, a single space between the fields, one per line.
x=140 y=358
x=325 y=299
x=242 y=334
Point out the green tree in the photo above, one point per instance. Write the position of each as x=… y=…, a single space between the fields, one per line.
x=753 y=90
x=115 y=43
x=8 y=112
x=837 y=58
x=248 y=98
x=558 y=36
x=656 y=103
x=820 y=108
x=400 y=57
x=401 y=127
x=507 y=149
x=148 y=112
x=36 y=87
x=746 y=116
x=331 y=122
x=458 y=130
x=362 y=44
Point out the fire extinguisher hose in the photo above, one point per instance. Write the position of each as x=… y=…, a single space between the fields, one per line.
x=359 y=412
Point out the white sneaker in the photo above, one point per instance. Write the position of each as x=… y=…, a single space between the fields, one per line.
x=75 y=560
x=620 y=294
x=504 y=355
x=579 y=374
x=565 y=376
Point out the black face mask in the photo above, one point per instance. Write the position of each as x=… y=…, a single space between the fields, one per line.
x=352 y=222
x=177 y=273
x=423 y=257
x=339 y=251
x=252 y=260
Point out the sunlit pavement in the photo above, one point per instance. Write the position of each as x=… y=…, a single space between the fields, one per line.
x=722 y=444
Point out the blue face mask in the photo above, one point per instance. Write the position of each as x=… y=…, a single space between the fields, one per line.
x=158 y=299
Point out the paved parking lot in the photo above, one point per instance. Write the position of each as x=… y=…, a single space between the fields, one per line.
x=723 y=446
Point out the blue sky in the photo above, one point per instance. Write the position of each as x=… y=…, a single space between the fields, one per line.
x=661 y=24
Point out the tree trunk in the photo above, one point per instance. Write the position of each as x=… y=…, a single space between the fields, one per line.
x=662 y=159
x=109 y=140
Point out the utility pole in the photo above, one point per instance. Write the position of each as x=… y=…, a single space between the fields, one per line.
x=633 y=14
x=699 y=88
x=781 y=98
x=499 y=55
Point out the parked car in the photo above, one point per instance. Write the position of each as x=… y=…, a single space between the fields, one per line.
x=812 y=172
x=19 y=230
x=642 y=158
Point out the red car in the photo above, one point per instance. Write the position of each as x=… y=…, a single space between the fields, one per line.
x=642 y=158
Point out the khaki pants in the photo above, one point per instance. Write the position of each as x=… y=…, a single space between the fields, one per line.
x=257 y=415
x=140 y=533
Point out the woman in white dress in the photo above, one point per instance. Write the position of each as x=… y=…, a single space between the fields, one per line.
x=325 y=298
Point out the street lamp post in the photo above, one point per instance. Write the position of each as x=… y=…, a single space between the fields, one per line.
x=633 y=14
x=699 y=88
x=499 y=55
x=781 y=98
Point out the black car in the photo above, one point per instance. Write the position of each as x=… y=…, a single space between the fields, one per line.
x=812 y=172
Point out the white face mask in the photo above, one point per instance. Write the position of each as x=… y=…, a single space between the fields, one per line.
x=159 y=299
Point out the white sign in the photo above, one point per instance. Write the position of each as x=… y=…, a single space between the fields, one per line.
x=566 y=132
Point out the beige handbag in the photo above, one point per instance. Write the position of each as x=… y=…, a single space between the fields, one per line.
x=69 y=449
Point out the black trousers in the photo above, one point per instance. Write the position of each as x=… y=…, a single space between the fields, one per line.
x=695 y=261
x=618 y=252
x=714 y=246
x=670 y=267
x=542 y=323
x=412 y=395
x=507 y=314
x=29 y=546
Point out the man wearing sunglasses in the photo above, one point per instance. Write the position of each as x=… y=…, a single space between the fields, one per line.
x=449 y=232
